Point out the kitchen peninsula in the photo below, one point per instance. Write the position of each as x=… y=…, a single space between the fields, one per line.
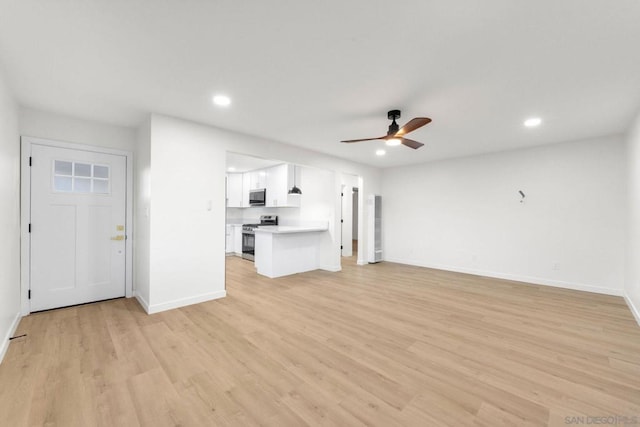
x=284 y=250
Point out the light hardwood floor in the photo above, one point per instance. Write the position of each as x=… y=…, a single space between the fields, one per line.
x=382 y=344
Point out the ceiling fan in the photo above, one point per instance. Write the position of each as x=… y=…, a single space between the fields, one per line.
x=395 y=135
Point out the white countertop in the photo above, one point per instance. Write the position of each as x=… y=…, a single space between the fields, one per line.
x=287 y=229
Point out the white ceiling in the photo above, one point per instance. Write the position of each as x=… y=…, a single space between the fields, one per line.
x=313 y=73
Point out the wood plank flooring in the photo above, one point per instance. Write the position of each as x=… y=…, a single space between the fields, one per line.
x=380 y=345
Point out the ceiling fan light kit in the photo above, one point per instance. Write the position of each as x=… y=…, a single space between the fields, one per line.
x=392 y=142
x=395 y=134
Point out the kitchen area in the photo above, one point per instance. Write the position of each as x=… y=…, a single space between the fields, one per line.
x=279 y=216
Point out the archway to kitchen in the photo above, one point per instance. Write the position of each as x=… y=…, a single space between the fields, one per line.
x=261 y=193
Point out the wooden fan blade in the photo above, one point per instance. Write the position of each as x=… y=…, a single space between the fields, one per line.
x=411 y=143
x=365 y=139
x=412 y=125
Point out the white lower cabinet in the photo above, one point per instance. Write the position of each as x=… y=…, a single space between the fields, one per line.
x=229 y=240
x=237 y=239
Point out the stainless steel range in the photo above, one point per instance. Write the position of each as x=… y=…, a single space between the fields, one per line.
x=249 y=235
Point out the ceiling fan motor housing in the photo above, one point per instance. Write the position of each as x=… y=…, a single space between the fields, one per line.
x=393 y=127
x=393 y=114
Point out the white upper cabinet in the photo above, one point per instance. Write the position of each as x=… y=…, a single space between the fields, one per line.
x=246 y=187
x=257 y=179
x=280 y=180
x=235 y=191
x=277 y=186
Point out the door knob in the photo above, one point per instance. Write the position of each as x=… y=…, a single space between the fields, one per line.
x=119 y=237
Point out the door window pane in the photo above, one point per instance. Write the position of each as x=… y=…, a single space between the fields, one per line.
x=82 y=169
x=82 y=185
x=100 y=171
x=101 y=186
x=63 y=168
x=62 y=183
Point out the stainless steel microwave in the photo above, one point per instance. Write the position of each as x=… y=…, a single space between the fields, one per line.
x=258 y=197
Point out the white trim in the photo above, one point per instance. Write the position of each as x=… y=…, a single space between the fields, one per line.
x=25 y=210
x=5 y=341
x=128 y=271
x=362 y=262
x=515 y=277
x=332 y=268
x=25 y=216
x=181 y=302
x=633 y=308
x=143 y=302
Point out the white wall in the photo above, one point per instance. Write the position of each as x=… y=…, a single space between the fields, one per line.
x=632 y=282
x=465 y=215
x=187 y=256
x=320 y=202
x=9 y=217
x=185 y=212
x=70 y=129
x=142 y=214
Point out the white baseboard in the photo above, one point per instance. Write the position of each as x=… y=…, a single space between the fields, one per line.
x=517 y=278
x=143 y=302
x=5 y=341
x=360 y=262
x=157 y=308
x=332 y=268
x=633 y=308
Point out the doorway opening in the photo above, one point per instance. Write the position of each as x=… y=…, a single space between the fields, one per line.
x=354 y=221
x=350 y=216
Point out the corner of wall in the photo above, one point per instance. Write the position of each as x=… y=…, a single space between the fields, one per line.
x=632 y=253
x=142 y=301
x=142 y=214
x=4 y=345
x=635 y=310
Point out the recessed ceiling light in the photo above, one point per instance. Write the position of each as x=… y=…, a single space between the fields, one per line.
x=380 y=152
x=231 y=169
x=533 y=122
x=222 y=100
x=393 y=142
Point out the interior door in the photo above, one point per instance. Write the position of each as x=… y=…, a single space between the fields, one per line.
x=78 y=213
x=347 y=243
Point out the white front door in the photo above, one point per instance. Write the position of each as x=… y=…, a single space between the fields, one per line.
x=78 y=219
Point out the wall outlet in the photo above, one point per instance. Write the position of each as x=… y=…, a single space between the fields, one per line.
x=555 y=266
